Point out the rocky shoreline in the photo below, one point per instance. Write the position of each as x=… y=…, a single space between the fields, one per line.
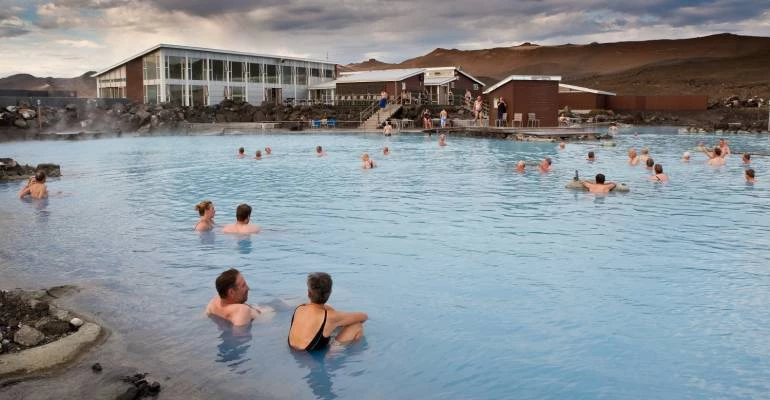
x=97 y=121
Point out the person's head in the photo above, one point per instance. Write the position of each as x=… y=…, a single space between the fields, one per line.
x=721 y=142
x=386 y=150
x=241 y=150
x=521 y=165
x=243 y=213
x=40 y=176
x=258 y=154
x=645 y=151
x=746 y=157
x=365 y=157
x=632 y=153
x=268 y=150
x=548 y=161
x=232 y=287
x=205 y=206
x=650 y=162
x=442 y=137
x=478 y=98
x=562 y=144
x=750 y=174
x=686 y=155
x=319 y=149
x=319 y=287
x=658 y=169
x=717 y=151
x=600 y=179
x=591 y=155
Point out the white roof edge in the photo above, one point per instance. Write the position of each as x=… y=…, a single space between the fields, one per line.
x=192 y=48
x=440 y=80
x=458 y=70
x=523 y=78
x=408 y=73
x=584 y=89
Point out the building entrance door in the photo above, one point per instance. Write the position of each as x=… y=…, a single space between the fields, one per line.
x=274 y=95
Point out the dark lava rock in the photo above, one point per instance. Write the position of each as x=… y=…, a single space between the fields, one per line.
x=55 y=328
x=154 y=388
x=130 y=394
x=96 y=367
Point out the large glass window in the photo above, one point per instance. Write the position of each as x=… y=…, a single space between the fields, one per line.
x=175 y=67
x=175 y=94
x=301 y=76
x=238 y=93
x=151 y=66
x=255 y=72
x=197 y=95
x=271 y=72
x=286 y=75
x=315 y=72
x=151 y=94
x=217 y=70
x=197 y=69
x=236 y=71
x=328 y=73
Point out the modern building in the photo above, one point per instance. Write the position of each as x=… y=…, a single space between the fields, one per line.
x=440 y=85
x=532 y=100
x=192 y=76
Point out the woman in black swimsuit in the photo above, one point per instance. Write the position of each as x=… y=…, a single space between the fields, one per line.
x=313 y=324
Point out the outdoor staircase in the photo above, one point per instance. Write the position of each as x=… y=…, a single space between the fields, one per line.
x=379 y=116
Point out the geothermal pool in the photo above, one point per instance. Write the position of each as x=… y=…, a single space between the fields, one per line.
x=479 y=282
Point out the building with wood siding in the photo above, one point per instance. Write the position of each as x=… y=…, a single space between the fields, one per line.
x=529 y=95
x=193 y=76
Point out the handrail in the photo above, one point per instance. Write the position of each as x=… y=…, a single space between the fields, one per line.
x=369 y=111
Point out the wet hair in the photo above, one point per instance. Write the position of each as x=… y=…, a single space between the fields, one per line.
x=241 y=150
x=226 y=281
x=590 y=154
x=40 y=176
x=259 y=153
x=750 y=173
x=243 y=212
x=717 y=151
x=645 y=151
x=746 y=156
x=650 y=162
x=365 y=157
x=318 y=149
x=600 y=179
x=658 y=169
x=632 y=151
x=319 y=287
x=548 y=160
x=203 y=206
x=686 y=154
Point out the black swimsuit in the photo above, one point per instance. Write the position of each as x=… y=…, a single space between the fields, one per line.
x=319 y=340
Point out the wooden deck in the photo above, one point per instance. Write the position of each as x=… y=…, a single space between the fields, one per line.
x=525 y=134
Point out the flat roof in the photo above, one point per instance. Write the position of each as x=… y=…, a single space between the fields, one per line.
x=523 y=78
x=380 y=75
x=439 y=80
x=325 y=85
x=191 y=48
x=583 y=89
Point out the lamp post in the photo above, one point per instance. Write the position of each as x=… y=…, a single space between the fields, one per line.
x=39 y=118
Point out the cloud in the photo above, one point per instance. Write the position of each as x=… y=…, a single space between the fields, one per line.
x=11 y=26
x=79 y=44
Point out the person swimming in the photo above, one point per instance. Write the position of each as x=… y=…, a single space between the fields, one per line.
x=241 y=152
x=599 y=186
x=749 y=174
x=645 y=155
x=312 y=324
x=35 y=187
x=387 y=130
x=717 y=159
x=591 y=156
x=521 y=166
x=230 y=301
x=366 y=162
x=258 y=155
x=386 y=151
x=633 y=159
x=659 y=175
x=319 y=151
x=649 y=164
x=686 y=156
x=442 y=140
x=268 y=150
x=242 y=225
x=207 y=212
x=746 y=158
x=545 y=165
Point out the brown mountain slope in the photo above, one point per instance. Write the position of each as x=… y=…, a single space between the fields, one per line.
x=716 y=65
x=84 y=85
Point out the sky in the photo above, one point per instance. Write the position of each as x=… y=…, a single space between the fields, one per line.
x=66 y=38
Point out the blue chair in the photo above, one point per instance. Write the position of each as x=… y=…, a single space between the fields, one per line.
x=315 y=123
x=331 y=122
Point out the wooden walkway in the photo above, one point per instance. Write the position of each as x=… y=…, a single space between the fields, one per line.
x=525 y=134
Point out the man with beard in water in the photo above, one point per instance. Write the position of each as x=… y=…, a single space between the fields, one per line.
x=230 y=304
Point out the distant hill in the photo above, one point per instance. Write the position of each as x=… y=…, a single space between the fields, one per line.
x=368 y=65
x=718 y=65
x=84 y=85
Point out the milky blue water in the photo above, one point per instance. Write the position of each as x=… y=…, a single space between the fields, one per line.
x=480 y=283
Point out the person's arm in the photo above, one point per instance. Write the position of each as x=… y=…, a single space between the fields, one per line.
x=348 y=318
x=612 y=185
x=23 y=192
x=243 y=315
